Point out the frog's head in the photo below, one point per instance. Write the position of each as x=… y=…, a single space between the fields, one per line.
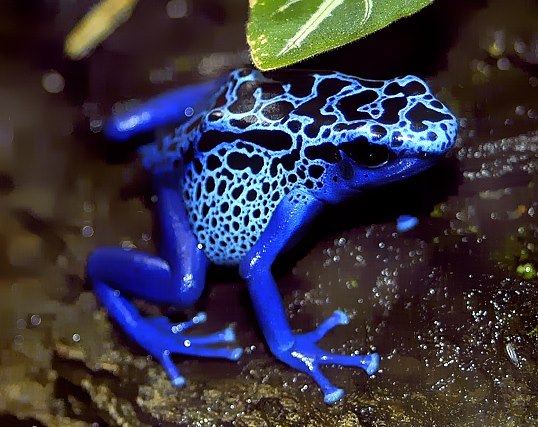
x=388 y=131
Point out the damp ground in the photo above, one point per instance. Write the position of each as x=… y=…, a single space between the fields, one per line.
x=451 y=305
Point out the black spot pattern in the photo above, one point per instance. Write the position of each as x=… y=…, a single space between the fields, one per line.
x=264 y=135
x=271 y=140
x=327 y=152
x=391 y=110
x=240 y=161
x=277 y=110
x=351 y=105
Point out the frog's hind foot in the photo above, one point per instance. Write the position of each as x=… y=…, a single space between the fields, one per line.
x=332 y=394
x=226 y=335
x=162 y=338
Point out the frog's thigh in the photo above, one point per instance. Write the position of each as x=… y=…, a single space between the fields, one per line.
x=176 y=276
x=171 y=107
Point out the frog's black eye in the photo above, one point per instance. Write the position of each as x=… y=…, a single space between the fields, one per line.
x=367 y=155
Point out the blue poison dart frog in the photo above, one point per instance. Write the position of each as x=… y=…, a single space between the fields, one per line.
x=254 y=159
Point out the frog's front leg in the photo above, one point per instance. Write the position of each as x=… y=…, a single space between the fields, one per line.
x=300 y=351
x=175 y=277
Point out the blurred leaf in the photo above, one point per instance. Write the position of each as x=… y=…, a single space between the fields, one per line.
x=282 y=32
x=101 y=21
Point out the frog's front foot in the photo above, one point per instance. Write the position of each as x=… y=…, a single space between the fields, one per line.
x=162 y=339
x=306 y=356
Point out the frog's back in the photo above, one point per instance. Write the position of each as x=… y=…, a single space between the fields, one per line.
x=261 y=135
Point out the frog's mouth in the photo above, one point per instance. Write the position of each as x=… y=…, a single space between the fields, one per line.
x=396 y=170
x=413 y=165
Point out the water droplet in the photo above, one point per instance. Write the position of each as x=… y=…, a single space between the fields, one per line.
x=35 y=320
x=53 y=82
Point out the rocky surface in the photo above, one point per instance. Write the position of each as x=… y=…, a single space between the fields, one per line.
x=450 y=305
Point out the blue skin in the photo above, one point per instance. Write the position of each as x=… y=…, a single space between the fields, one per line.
x=241 y=179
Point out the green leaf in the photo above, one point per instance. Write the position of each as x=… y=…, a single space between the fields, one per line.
x=282 y=32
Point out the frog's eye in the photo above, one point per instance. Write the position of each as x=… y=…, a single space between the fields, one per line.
x=367 y=155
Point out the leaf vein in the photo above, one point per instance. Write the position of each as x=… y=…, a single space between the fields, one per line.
x=323 y=12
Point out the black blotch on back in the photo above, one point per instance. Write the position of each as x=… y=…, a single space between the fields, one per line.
x=300 y=86
x=277 y=110
x=378 y=132
x=348 y=126
x=289 y=160
x=350 y=104
x=315 y=171
x=273 y=140
x=414 y=88
x=420 y=112
x=294 y=125
x=418 y=126
x=245 y=98
x=313 y=128
x=209 y=184
x=209 y=140
x=329 y=87
x=198 y=166
x=299 y=83
x=244 y=122
x=271 y=90
x=241 y=145
x=214 y=115
x=312 y=108
x=391 y=110
x=357 y=100
x=393 y=89
x=221 y=188
x=410 y=89
x=240 y=161
x=213 y=162
x=327 y=152
x=237 y=191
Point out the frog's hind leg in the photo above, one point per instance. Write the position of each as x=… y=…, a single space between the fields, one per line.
x=175 y=106
x=175 y=277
